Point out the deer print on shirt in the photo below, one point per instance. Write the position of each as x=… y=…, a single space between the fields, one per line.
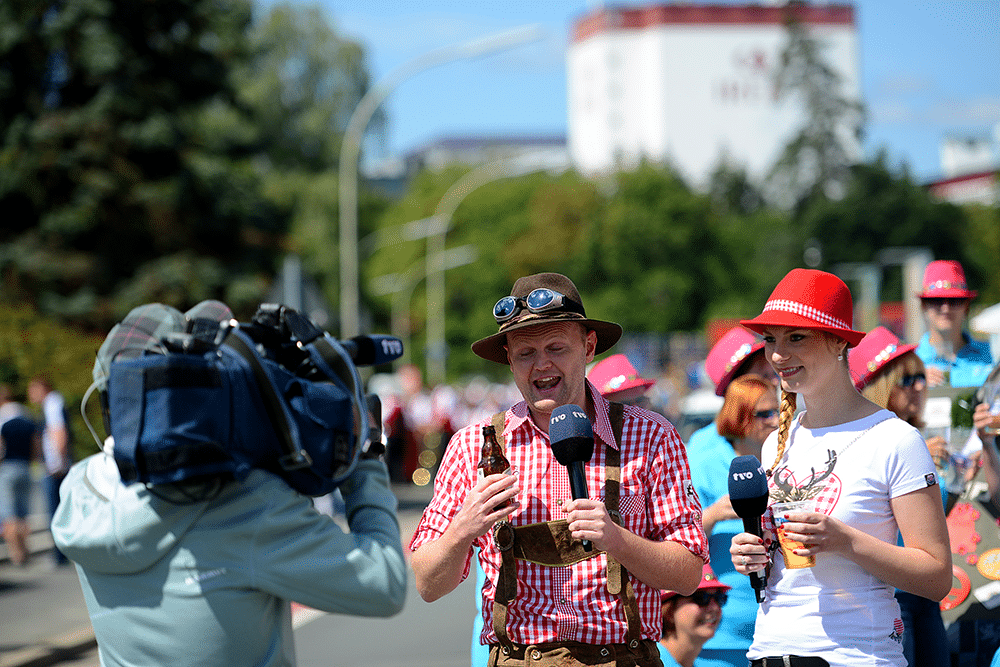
x=785 y=488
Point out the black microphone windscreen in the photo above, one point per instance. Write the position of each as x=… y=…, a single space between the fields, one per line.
x=747 y=486
x=373 y=349
x=571 y=435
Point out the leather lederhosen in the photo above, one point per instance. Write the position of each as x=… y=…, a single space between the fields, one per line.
x=550 y=544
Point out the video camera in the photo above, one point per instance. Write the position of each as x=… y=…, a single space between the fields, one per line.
x=201 y=396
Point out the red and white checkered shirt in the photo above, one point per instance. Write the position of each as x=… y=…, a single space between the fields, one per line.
x=572 y=603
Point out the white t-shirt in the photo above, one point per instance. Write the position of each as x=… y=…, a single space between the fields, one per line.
x=836 y=610
x=53 y=407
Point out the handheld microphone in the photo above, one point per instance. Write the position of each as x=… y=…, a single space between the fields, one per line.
x=748 y=496
x=373 y=349
x=572 y=439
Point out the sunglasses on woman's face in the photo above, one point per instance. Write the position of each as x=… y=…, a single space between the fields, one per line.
x=765 y=414
x=702 y=598
x=914 y=380
x=937 y=302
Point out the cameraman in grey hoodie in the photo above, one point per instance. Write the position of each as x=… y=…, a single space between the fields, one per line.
x=209 y=583
x=202 y=572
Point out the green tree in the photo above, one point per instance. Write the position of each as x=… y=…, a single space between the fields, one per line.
x=648 y=252
x=881 y=210
x=816 y=160
x=981 y=250
x=125 y=155
x=165 y=151
x=303 y=83
x=32 y=345
x=301 y=87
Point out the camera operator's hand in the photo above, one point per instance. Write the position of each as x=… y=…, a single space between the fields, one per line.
x=374 y=451
x=375 y=447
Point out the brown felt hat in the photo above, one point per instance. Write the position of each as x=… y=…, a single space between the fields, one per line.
x=571 y=310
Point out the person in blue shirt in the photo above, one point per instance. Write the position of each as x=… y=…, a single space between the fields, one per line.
x=737 y=353
x=748 y=415
x=950 y=354
x=691 y=620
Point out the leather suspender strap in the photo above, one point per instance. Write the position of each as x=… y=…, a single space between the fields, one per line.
x=618 y=580
x=505 y=538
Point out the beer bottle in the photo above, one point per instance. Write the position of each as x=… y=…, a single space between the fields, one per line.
x=491 y=459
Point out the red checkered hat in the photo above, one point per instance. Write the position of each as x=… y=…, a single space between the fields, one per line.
x=876 y=349
x=615 y=375
x=708 y=581
x=945 y=279
x=810 y=299
x=727 y=356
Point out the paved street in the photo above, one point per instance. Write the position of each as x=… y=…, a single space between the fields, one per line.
x=43 y=618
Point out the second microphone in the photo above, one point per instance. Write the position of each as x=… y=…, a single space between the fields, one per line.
x=572 y=439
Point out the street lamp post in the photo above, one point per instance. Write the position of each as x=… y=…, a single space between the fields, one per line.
x=436 y=350
x=401 y=286
x=350 y=301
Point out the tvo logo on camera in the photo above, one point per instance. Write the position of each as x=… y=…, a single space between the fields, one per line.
x=392 y=347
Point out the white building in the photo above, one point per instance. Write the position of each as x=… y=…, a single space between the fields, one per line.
x=971 y=166
x=690 y=84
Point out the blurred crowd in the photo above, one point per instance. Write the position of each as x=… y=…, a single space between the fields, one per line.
x=737 y=409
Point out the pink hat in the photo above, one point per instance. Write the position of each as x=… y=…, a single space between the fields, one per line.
x=615 y=375
x=708 y=581
x=809 y=299
x=945 y=279
x=876 y=349
x=726 y=356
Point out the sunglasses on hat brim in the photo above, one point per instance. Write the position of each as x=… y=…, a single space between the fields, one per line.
x=541 y=300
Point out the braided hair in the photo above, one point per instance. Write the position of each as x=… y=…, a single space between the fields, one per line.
x=788 y=404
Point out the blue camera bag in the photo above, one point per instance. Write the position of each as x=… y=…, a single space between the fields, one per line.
x=225 y=410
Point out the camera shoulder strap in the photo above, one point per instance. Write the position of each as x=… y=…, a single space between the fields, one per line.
x=294 y=457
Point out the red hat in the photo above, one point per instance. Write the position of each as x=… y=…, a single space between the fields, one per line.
x=945 y=279
x=727 y=356
x=614 y=376
x=809 y=299
x=876 y=349
x=708 y=581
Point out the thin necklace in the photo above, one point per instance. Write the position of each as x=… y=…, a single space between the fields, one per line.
x=834 y=454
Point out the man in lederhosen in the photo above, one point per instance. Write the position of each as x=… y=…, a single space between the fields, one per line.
x=547 y=600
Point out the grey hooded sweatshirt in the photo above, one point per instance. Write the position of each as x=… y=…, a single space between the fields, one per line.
x=210 y=583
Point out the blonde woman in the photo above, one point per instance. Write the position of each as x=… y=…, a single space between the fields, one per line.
x=870 y=476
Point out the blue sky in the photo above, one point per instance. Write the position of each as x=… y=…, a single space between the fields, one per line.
x=929 y=70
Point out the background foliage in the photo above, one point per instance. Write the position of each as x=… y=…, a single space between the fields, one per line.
x=176 y=151
x=31 y=345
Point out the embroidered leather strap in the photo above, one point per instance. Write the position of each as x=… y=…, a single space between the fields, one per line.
x=549 y=543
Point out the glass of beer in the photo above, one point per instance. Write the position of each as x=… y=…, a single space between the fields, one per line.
x=792 y=560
